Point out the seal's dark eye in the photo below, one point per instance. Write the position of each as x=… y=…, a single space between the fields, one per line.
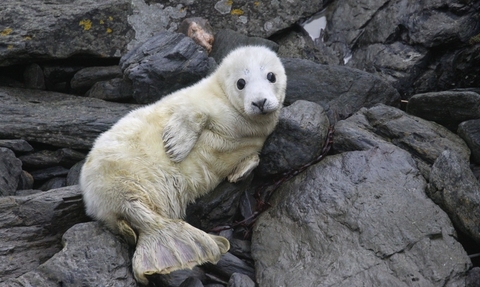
x=241 y=84
x=271 y=77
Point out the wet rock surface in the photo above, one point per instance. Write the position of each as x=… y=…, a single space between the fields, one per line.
x=394 y=202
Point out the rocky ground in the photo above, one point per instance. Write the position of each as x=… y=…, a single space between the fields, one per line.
x=396 y=202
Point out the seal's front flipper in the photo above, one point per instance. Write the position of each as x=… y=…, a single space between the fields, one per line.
x=176 y=245
x=181 y=133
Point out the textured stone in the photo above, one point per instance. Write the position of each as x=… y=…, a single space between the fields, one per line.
x=164 y=64
x=357 y=219
x=84 y=79
x=454 y=187
x=298 y=138
x=10 y=170
x=469 y=131
x=56 y=119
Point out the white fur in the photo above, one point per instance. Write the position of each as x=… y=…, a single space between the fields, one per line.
x=142 y=173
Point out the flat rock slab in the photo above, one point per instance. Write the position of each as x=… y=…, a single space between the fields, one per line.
x=448 y=108
x=340 y=90
x=379 y=125
x=358 y=219
x=56 y=119
x=31 y=227
x=57 y=29
x=92 y=256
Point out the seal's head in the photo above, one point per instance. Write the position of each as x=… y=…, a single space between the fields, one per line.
x=254 y=80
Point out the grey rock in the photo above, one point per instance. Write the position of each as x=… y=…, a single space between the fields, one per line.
x=199 y=30
x=260 y=19
x=33 y=77
x=56 y=119
x=176 y=278
x=357 y=219
x=379 y=125
x=340 y=90
x=240 y=280
x=10 y=170
x=58 y=77
x=53 y=183
x=296 y=43
x=74 y=173
x=454 y=187
x=60 y=29
x=84 y=79
x=192 y=282
x=227 y=40
x=25 y=182
x=403 y=45
x=115 y=90
x=217 y=207
x=448 y=108
x=164 y=64
x=469 y=131
x=31 y=228
x=49 y=172
x=47 y=158
x=473 y=278
x=17 y=146
x=240 y=248
x=91 y=256
x=230 y=264
x=297 y=139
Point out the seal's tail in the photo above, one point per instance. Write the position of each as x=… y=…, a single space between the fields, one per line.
x=173 y=245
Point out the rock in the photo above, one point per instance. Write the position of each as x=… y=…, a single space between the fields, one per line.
x=448 y=108
x=115 y=90
x=260 y=19
x=25 y=182
x=56 y=119
x=230 y=264
x=58 y=77
x=357 y=218
x=47 y=158
x=381 y=124
x=33 y=77
x=17 y=146
x=10 y=170
x=298 y=138
x=31 y=228
x=164 y=64
x=454 y=187
x=218 y=207
x=227 y=40
x=192 y=282
x=55 y=182
x=340 y=90
x=57 y=30
x=199 y=30
x=469 y=131
x=50 y=172
x=91 y=256
x=74 y=173
x=473 y=278
x=296 y=43
x=404 y=44
x=176 y=278
x=240 y=280
x=84 y=79
x=240 y=248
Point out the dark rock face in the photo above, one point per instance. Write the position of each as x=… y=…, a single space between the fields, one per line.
x=340 y=90
x=357 y=217
x=164 y=64
x=10 y=169
x=469 y=131
x=56 y=119
x=59 y=29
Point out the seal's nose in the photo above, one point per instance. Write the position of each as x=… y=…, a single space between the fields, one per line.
x=260 y=104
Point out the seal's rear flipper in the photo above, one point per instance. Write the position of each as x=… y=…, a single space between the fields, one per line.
x=176 y=245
